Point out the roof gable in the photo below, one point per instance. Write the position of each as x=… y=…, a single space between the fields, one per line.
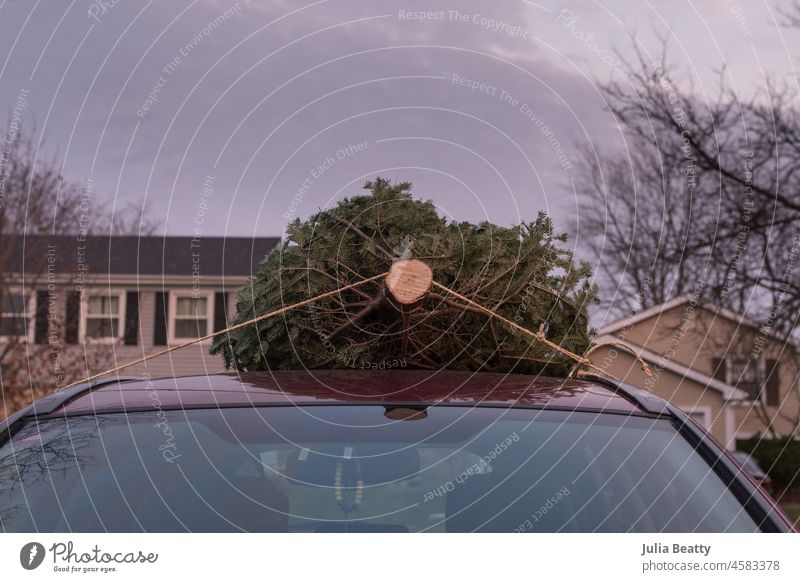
x=657 y=310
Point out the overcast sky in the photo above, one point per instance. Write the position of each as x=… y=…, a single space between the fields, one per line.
x=257 y=109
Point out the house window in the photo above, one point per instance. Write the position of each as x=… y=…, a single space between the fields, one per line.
x=191 y=315
x=15 y=315
x=744 y=375
x=103 y=316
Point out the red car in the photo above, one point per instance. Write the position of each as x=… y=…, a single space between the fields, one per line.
x=394 y=451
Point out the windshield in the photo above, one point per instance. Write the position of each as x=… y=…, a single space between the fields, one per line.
x=360 y=468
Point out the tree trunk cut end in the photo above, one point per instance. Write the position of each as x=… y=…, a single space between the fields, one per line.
x=409 y=281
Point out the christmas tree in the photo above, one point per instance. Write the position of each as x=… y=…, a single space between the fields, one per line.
x=523 y=273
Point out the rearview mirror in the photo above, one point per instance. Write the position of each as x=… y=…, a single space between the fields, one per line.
x=380 y=464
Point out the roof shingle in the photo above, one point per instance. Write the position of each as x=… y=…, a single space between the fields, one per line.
x=134 y=255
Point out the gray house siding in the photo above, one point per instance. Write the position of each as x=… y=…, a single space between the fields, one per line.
x=93 y=356
x=190 y=360
x=52 y=269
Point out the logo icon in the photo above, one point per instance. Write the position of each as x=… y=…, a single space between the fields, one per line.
x=31 y=555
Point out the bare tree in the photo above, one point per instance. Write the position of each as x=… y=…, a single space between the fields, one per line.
x=36 y=199
x=705 y=200
x=720 y=186
x=645 y=225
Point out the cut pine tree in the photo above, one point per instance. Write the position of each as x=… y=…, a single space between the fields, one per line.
x=524 y=273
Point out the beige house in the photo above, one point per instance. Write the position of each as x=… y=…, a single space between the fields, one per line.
x=730 y=373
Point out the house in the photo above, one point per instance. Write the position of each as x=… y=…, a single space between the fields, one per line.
x=102 y=301
x=733 y=375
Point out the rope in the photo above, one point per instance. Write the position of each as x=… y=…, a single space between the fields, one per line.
x=648 y=371
x=581 y=361
x=226 y=330
x=538 y=336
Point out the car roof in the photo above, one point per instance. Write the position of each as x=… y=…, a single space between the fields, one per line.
x=350 y=387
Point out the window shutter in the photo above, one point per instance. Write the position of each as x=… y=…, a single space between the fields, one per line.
x=72 y=317
x=162 y=307
x=773 y=384
x=220 y=311
x=131 y=337
x=40 y=327
x=720 y=370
